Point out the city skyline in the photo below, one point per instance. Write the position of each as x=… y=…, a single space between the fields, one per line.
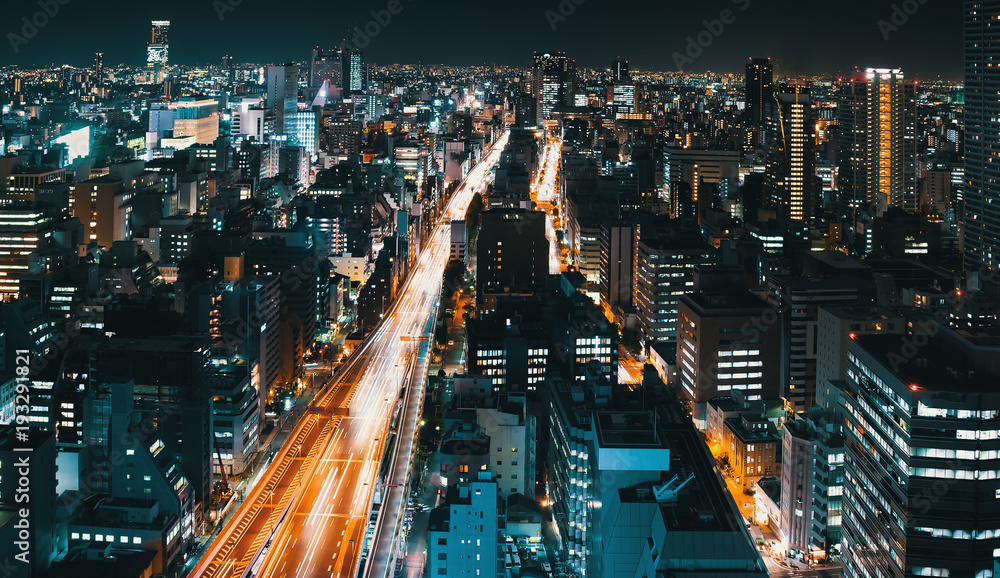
x=922 y=41
x=573 y=314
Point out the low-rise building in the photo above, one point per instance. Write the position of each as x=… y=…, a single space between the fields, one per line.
x=463 y=536
x=812 y=479
x=751 y=444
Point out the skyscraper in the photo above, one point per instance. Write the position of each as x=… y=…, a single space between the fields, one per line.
x=98 y=63
x=553 y=82
x=790 y=183
x=353 y=70
x=282 y=93
x=920 y=444
x=522 y=234
x=620 y=71
x=982 y=135
x=326 y=66
x=878 y=141
x=25 y=229
x=759 y=82
x=157 y=51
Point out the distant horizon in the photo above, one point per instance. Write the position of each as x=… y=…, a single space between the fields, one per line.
x=305 y=61
x=712 y=36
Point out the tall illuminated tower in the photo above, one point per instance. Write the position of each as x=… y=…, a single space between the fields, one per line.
x=981 y=228
x=759 y=83
x=878 y=141
x=157 y=51
x=353 y=70
x=790 y=179
x=553 y=82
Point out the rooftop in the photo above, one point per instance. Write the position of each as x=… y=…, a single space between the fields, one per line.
x=626 y=429
x=949 y=361
x=716 y=303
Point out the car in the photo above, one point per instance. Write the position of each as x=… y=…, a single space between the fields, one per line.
x=450 y=343
x=547 y=567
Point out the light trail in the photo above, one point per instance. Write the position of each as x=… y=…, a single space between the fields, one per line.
x=326 y=494
x=546 y=198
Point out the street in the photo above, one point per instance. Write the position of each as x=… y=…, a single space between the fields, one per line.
x=323 y=479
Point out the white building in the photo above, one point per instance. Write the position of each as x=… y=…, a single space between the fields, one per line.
x=348 y=265
x=463 y=534
x=512 y=434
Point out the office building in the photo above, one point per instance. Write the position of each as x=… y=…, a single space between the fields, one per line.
x=237 y=410
x=877 y=114
x=355 y=76
x=25 y=230
x=695 y=528
x=513 y=252
x=835 y=326
x=981 y=221
x=797 y=301
x=790 y=185
x=620 y=70
x=198 y=119
x=459 y=241
x=759 y=85
x=104 y=204
x=326 y=66
x=553 y=83
x=22 y=181
x=282 y=94
x=554 y=329
x=688 y=172
x=664 y=271
x=753 y=448
x=183 y=123
x=623 y=97
x=149 y=504
x=625 y=451
x=920 y=455
x=28 y=484
x=158 y=51
x=170 y=377
x=341 y=136
x=812 y=485
x=302 y=128
x=722 y=347
x=292 y=257
x=463 y=534
x=512 y=432
x=618 y=241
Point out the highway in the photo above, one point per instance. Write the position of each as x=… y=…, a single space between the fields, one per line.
x=318 y=490
x=545 y=195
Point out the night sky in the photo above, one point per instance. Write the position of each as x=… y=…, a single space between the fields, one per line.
x=802 y=36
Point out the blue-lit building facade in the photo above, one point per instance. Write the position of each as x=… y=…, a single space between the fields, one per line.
x=922 y=455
